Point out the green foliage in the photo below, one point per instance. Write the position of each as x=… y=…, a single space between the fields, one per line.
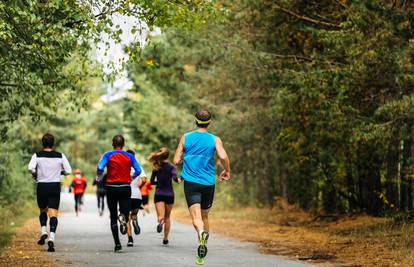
x=313 y=100
x=306 y=96
x=48 y=79
x=39 y=40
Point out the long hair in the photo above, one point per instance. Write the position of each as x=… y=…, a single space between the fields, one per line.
x=156 y=158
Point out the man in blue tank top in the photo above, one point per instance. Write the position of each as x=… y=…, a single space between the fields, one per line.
x=197 y=150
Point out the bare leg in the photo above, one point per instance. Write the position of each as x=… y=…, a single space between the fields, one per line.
x=134 y=214
x=195 y=212
x=160 y=208
x=204 y=216
x=167 y=220
x=129 y=230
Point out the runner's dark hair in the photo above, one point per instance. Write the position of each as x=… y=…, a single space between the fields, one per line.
x=203 y=115
x=48 y=140
x=118 y=141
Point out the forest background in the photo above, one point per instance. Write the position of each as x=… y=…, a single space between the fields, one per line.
x=313 y=100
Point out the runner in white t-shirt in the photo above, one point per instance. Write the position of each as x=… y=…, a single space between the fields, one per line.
x=136 y=201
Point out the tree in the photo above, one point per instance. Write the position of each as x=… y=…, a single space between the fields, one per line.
x=308 y=96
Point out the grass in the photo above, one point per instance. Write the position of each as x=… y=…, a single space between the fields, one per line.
x=357 y=240
x=12 y=217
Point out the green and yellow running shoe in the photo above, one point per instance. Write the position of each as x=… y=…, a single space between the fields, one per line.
x=203 y=238
x=199 y=261
x=202 y=245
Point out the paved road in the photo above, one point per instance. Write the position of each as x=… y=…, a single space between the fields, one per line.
x=87 y=241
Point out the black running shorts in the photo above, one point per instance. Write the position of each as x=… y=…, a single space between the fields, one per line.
x=135 y=203
x=198 y=193
x=166 y=199
x=48 y=195
x=145 y=200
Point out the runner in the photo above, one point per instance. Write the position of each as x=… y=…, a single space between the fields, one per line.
x=46 y=167
x=162 y=176
x=145 y=186
x=100 y=194
x=79 y=185
x=197 y=150
x=118 y=189
x=136 y=201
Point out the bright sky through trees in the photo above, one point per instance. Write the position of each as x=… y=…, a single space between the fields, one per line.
x=111 y=52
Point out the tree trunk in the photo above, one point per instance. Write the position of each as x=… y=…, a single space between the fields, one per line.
x=406 y=183
x=350 y=183
x=409 y=159
x=283 y=182
x=391 y=183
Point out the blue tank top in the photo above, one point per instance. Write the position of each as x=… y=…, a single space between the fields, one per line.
x=198 y=159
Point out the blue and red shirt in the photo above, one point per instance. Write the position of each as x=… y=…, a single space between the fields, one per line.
x=119 y=164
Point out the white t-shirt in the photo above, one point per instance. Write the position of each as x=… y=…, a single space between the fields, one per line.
x=135 y=191
x=48 y=166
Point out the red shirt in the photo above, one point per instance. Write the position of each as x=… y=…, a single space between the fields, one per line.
x=79 y=185
x=118 y=164
x=145 y=188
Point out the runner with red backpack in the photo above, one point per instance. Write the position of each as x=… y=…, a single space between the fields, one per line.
x=79 y=185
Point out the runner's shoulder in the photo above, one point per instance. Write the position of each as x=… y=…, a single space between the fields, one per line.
x=49 y=154
x=197 y=132
x=111 y=152
x=170 y=166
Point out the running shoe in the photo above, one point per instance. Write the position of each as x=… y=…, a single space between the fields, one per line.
x=137 y=229
x=51 y=246
x=202 y=246
x=118 y=248
x=42 y=239
x=160 y=225
x=165 y=242
x=204 y=237
x=123 y=224
x=130 y=241
x=199 y=261
x=202 y=251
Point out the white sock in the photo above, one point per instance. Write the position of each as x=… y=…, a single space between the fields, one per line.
x=52 y=236
x=199 y=234
x=43 y=230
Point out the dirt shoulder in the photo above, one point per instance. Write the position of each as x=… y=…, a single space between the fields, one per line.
x=345 y=241
x=23 y=249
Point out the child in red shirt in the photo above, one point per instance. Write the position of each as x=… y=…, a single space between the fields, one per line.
x=145 y=186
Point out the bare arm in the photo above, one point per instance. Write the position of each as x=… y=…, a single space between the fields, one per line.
x=179 y=152
x=222 y=154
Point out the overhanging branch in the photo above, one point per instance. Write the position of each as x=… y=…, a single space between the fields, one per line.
x=307 y=19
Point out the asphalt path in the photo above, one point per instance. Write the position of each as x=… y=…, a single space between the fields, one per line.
x=87 y=241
